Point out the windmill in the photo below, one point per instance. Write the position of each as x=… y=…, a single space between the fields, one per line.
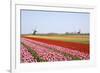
x=79 y=32
x=34 y=31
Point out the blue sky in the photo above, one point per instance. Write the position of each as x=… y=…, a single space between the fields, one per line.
x=54 y=22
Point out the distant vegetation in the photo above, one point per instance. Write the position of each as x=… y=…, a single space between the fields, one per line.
x=61 y=34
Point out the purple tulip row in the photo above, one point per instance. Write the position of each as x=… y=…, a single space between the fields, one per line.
x=26 y=57
x=81 y=55
x=45 y=53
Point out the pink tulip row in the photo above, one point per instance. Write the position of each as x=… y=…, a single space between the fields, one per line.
x=45 y=53
x=75 y=53
x=26 y=56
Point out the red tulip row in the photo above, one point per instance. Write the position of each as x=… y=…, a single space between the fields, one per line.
x=45 y=53
x=81 y=55
x=26 y=56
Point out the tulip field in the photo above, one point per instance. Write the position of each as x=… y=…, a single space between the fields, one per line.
x=36 y=48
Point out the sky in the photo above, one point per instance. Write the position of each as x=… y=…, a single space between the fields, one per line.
x=54 y=22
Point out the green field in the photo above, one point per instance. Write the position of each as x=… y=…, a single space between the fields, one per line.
x=78 y=38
